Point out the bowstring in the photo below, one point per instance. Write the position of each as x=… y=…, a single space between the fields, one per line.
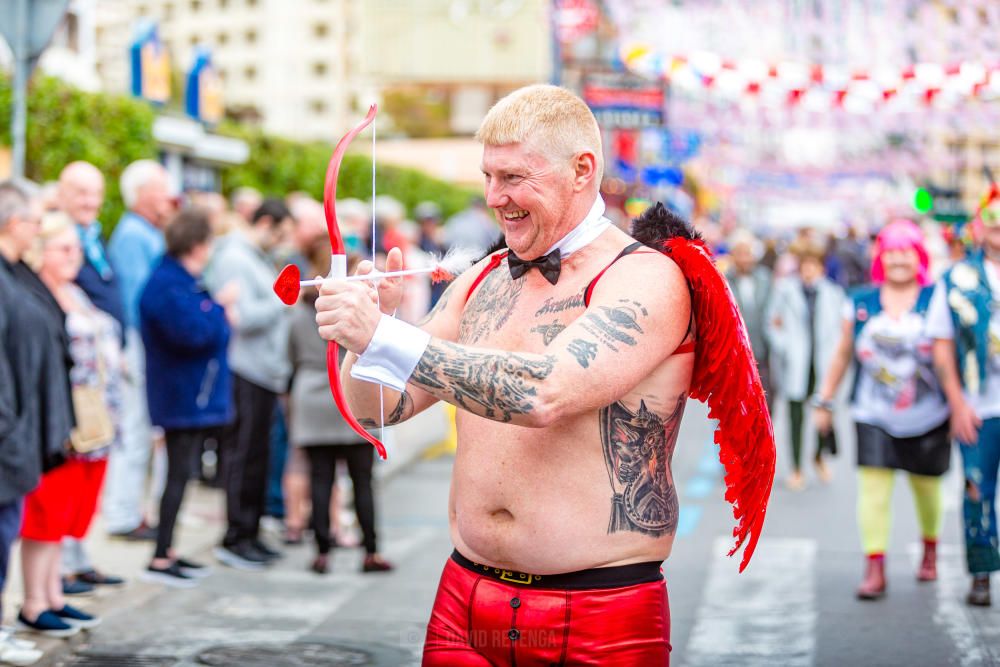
x=378 y=299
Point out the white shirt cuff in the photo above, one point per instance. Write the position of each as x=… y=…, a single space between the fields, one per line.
x=392 y=354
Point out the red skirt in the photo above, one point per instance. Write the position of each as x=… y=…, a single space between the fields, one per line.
x=480 y=619
x=64 y=502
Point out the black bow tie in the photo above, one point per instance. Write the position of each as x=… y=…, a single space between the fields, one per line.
x=548 y=265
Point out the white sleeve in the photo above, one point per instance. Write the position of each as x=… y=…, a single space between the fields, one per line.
x=847 y=310
x=392 y=354
x=939 y=322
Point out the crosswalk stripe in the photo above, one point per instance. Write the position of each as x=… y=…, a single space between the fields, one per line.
x=765 y=616
x=963 y=625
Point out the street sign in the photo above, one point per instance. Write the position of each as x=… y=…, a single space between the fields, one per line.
x=28 y=26
x=42 y=20
x=203 y=98
x=150 y=64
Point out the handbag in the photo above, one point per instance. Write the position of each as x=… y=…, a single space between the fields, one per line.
x=94 y=427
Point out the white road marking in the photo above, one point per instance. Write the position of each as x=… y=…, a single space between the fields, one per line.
x=972 y=631
x=765 y=616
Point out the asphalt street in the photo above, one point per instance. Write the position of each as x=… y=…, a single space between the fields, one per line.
x=794 y=605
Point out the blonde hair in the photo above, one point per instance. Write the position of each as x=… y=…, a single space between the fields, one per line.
x=551 y=118
x=53 y=224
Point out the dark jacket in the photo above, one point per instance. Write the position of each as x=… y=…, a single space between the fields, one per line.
x=185 y=334
x=36 y=410
x=106 y=293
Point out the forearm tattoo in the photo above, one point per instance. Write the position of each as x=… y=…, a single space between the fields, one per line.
x=402 y=411
x=399 y=414
x=497 y=386
x=638 y=450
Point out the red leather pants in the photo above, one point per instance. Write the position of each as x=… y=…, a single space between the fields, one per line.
x=480 y=621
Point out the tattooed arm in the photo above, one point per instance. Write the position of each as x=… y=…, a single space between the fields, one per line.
x=441 y=322
x=618 y=341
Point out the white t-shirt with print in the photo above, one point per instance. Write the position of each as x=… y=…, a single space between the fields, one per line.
x=896 y=389
x=940 y=325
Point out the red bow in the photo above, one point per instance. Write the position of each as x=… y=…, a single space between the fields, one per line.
x=338 y=269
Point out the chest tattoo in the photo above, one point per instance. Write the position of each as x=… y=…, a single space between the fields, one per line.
x=552 y=305
x=491 y=306
x=549 y=331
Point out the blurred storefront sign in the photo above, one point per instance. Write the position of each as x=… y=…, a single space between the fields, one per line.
x=624 y=101
x=192 y=155
x=203 y=95
x=150 y=65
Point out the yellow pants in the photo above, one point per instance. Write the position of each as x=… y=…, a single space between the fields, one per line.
x=875 y=511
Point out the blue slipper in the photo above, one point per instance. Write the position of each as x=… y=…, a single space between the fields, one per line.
x=77 y=618
x=48 y=623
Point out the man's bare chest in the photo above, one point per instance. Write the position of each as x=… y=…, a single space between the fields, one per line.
x=524 y=314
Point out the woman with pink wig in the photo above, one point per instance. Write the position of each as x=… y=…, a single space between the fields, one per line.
x=897 y=405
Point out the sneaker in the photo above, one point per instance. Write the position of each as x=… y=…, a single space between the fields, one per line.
x=241 y=556
x=73 y=586
x=193 y=569
x=266 y=551
x=49 y=624
x=13 y=651
x=141 y=533
x=172 y=576
x=95 y=578
x=8 y=634
x=77 y=618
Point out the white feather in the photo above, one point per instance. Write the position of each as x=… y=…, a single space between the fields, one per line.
x=458 y=259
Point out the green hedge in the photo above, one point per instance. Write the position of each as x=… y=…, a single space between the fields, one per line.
x=110 y=131
x=278 y=166
x=66 y=124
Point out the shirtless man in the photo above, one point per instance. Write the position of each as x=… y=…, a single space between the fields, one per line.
x=571 y=392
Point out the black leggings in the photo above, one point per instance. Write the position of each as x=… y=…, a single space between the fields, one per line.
x=322 y=471
x=183 y=451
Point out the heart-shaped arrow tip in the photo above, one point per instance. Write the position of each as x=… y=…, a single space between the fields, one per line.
x=287 y=285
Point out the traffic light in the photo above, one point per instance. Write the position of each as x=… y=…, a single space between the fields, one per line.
x=923 y=200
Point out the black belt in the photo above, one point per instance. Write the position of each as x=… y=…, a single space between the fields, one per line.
x=598 y=577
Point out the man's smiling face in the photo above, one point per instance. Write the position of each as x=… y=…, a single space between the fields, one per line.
x=530 y=195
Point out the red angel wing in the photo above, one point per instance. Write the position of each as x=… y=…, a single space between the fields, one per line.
x=726 y=379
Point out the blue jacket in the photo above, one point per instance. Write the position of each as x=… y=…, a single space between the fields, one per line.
x=186 y=335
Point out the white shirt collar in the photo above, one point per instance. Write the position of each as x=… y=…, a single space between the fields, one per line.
x=583 y=234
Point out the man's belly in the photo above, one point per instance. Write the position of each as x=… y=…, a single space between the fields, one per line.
x=542 y=501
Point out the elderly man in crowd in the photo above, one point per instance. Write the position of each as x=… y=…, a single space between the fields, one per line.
x=135 y=249
x=25 y=367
